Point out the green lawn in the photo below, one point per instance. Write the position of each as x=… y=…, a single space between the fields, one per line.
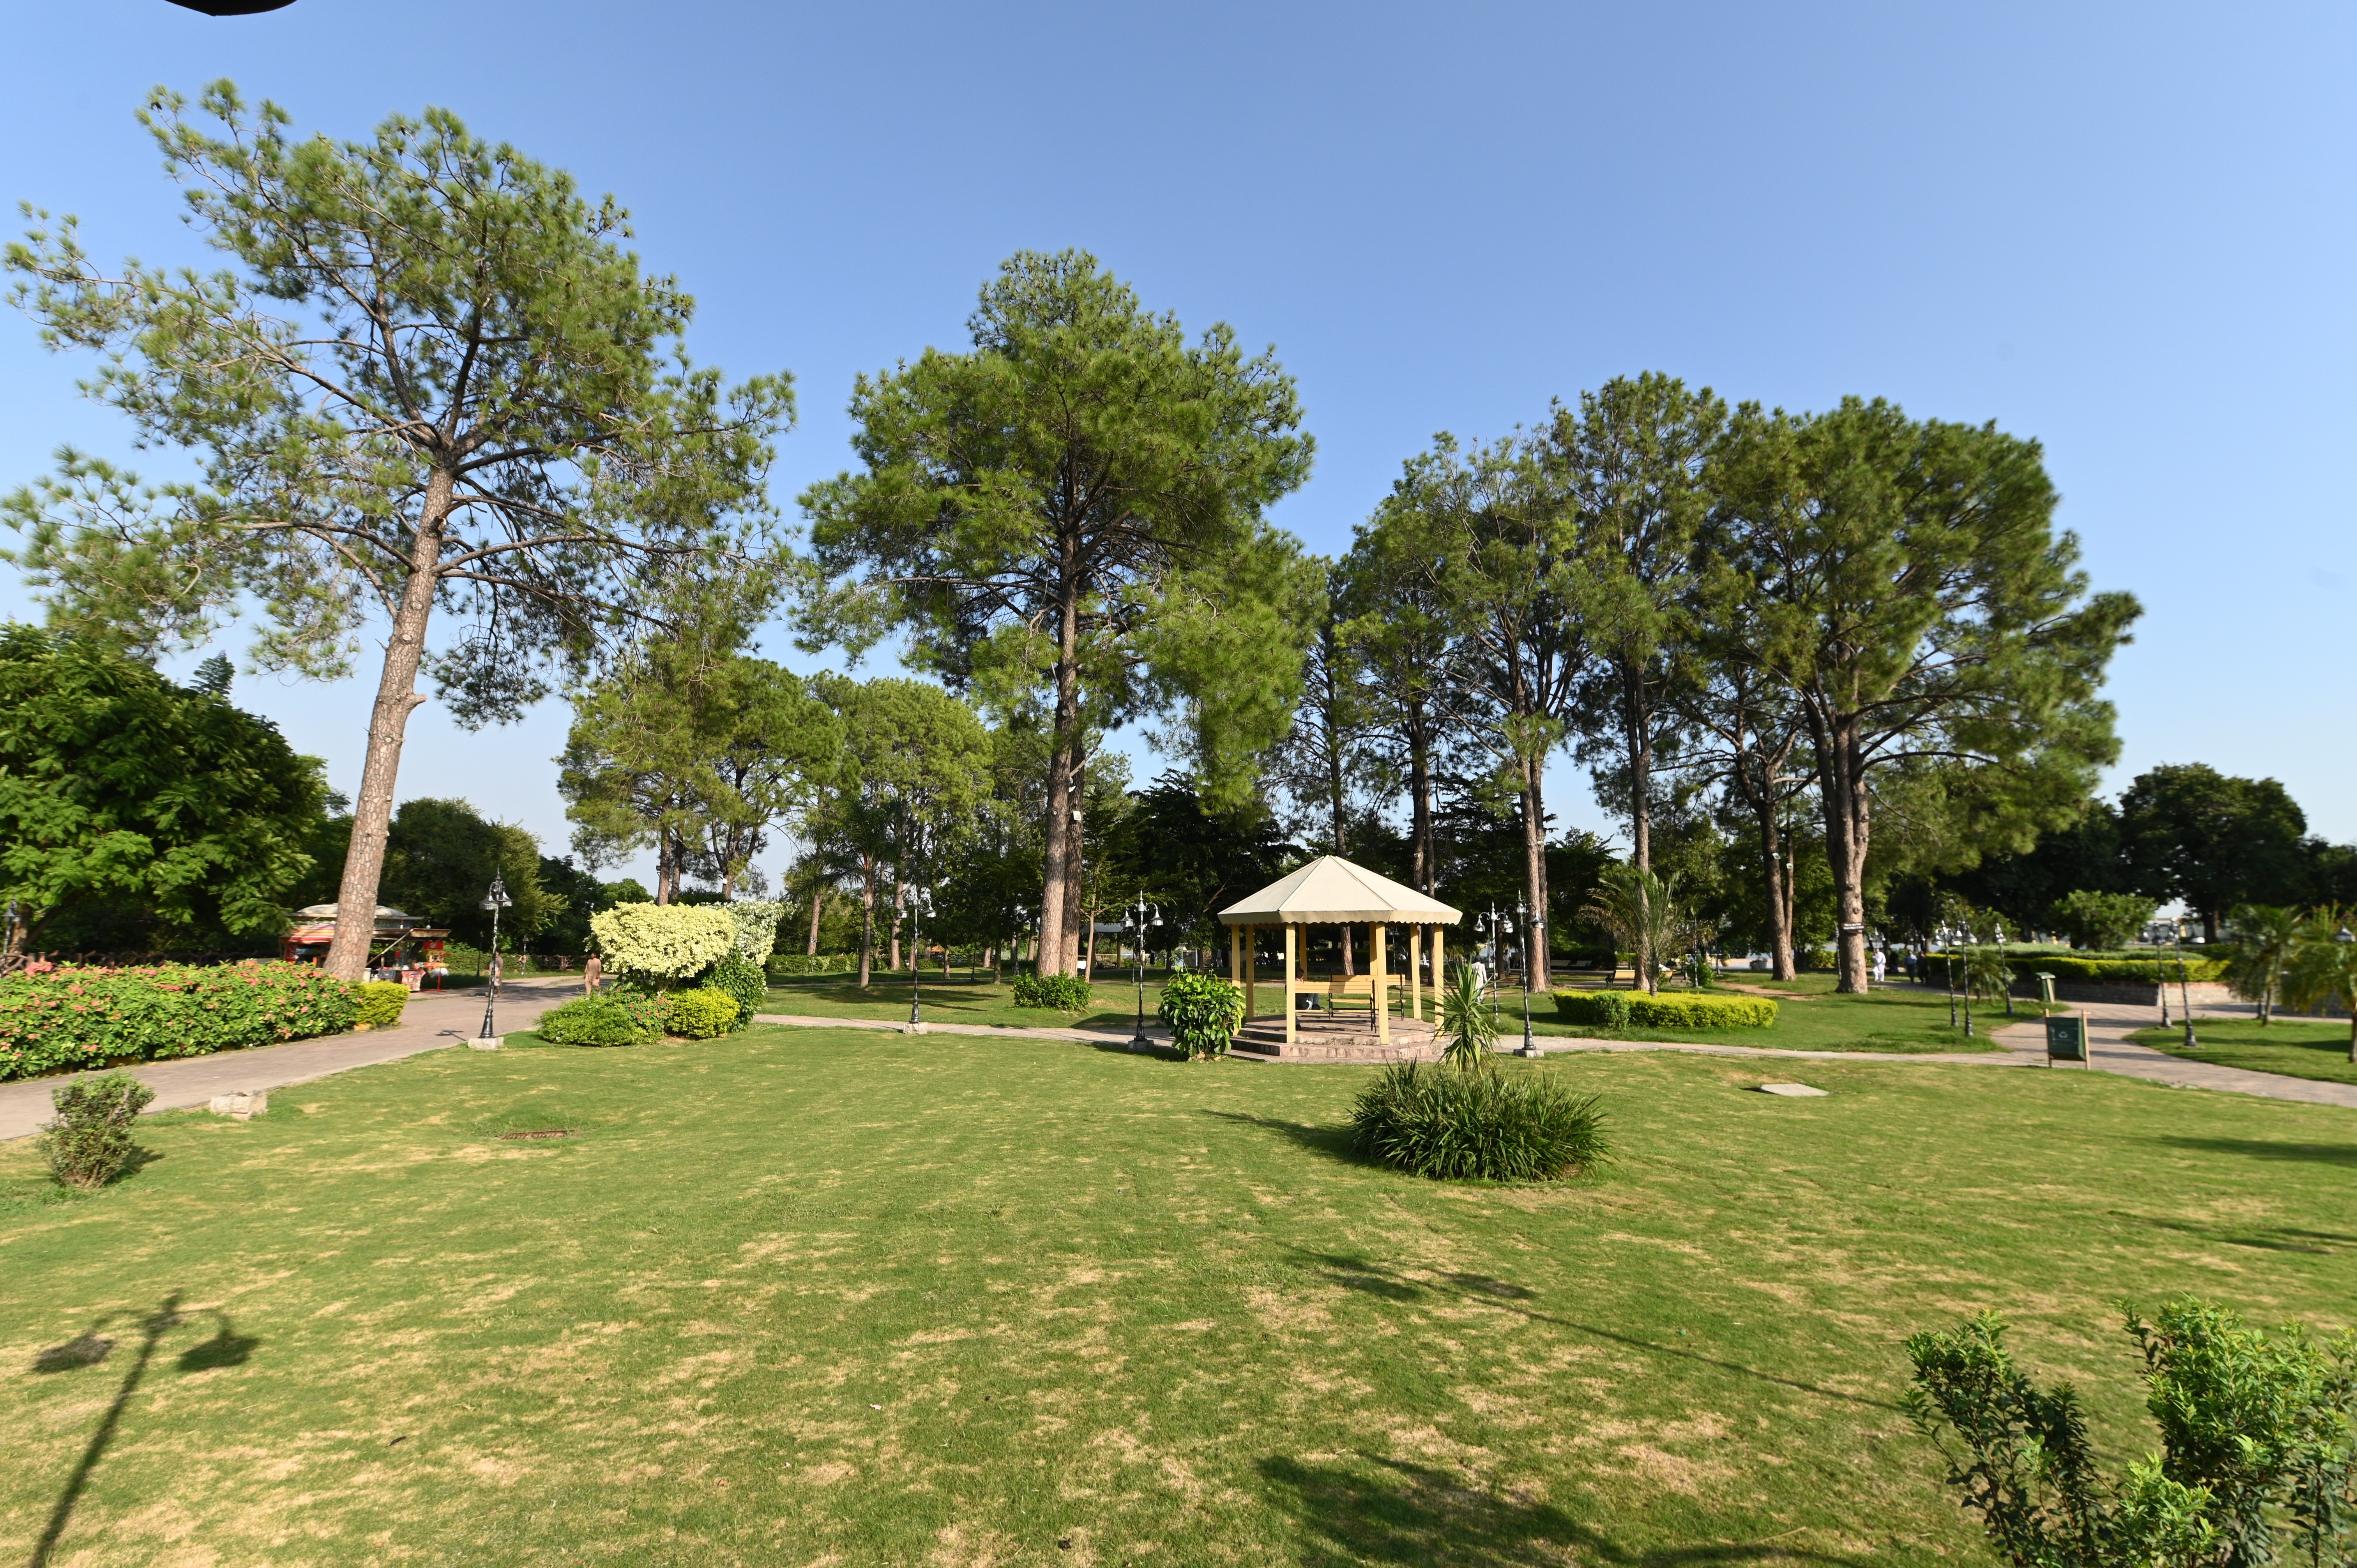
x=1810 y=1016
x=958 y=1002
x=803 y=1297
x=2319 y=1050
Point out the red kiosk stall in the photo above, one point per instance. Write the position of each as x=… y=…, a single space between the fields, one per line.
x=403 y=947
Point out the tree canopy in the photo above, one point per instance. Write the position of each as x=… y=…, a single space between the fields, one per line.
x=1068 y=520
x=435 y=379
x=139 y=813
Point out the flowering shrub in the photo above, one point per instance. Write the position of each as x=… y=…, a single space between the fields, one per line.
x=664 y=941
x=757 y=928
x=75 y=1018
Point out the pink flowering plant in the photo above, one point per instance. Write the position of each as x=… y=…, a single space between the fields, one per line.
x=70 y=1019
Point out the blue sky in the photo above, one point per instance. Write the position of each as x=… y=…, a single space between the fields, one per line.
x=2125 y=230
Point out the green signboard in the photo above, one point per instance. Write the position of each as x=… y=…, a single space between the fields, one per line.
x=2066 y=1037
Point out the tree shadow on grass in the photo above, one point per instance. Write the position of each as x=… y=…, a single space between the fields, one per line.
x=2268 y=1149
x=1333 y=1142
x=2267 y=1239
x=227 y=1347
x=1387 y=1511
x=1371 y=1278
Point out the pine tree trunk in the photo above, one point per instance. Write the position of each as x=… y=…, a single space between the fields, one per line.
x=818 y=907
x=1536 y=976
x=867 y=924
x=1059 y=861
x=396 y=699
x=1419 y=773
x=1847 y=835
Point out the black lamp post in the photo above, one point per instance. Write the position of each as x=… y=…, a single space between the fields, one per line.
x=495 y=900
x=2184 y=989
x=1134 y=921
x=1533 y=930
x=1948 y=959
x=920 y=902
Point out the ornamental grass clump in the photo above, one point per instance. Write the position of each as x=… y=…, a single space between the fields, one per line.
x=89 y=1143
x=1459 y=1125
x=1203 y=1012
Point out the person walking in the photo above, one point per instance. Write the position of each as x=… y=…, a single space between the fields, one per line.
x=590 y=973
x=1881 y=962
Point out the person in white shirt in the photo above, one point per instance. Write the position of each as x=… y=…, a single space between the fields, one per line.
x=1881 y=960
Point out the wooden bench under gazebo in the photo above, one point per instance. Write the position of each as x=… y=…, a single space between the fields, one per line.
x=1330 y=891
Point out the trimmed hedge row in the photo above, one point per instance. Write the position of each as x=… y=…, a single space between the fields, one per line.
x=67 y=1019
x=2072 y=969
x=1670 y=1010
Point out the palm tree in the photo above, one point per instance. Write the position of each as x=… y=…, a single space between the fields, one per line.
x=1637 y=908
x=1989 y=974
x=2264 y=937
x=2323 y=968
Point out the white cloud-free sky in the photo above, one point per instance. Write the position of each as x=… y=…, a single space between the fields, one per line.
x=2124 y=230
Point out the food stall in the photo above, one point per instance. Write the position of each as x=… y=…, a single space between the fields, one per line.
x=403 y=947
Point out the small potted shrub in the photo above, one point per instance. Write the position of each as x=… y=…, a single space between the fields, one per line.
x=1203 y=1012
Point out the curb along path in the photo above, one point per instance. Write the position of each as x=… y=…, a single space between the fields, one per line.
x=429 y=1023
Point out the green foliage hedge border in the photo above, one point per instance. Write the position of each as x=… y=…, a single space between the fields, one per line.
x=1064 y=992
x=69 y=1019
x=1669 y=1010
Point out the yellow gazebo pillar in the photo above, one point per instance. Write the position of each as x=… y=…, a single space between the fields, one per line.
x=1414 y=967
x=1435 y=972
x=1378 y=977
x=1287 y=987
x=1236 y=964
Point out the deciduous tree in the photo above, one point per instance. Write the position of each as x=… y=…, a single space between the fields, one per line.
x=2194 y=833
x=434 y=380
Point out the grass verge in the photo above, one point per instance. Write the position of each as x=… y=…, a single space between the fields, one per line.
x=2294 y=1048
x=801 y=1296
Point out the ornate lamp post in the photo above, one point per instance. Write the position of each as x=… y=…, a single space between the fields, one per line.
x=1533 y=930
x=1134 y=921
x=2184 y=989
x=495 y=900
x=1948 y=959
x=920 y=903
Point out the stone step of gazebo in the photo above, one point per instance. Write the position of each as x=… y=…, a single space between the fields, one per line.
x=1335 y=1048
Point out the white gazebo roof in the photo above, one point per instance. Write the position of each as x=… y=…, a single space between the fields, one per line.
x=1330 y=890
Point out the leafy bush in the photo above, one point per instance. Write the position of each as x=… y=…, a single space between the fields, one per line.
x=2074 y=968
x=663 y=941
x=89 y=1142
x=780 y=966
x=701 y=1014
x=1203 y=1012
x=744 y=983
x=90 y=1017
x=2100 y=919
x=1442 y=1123
x=1670 y=1010
x=378 y=1002
x=2255 y=1436
x=1064 y=992
x=617 y=1020
x=755 y=923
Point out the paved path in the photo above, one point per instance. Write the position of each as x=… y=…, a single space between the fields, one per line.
x=2110 y=1024
x=429 y=1023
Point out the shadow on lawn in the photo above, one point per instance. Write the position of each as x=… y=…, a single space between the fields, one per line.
x=1333 y=1142
x=227 y=1347
x=1374 y=1279
x=1386 y=1510
x=2267 y=1149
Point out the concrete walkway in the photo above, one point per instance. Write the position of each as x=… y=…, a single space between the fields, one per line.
x=431 y=1021
x=2108 y=1027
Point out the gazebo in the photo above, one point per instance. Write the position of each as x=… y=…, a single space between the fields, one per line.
x=1330 y=891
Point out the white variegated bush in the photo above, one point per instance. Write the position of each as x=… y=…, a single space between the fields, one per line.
x=757 y=928
x=664 y=941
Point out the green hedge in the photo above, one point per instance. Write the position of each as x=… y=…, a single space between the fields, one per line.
x=785 y=965
x=701 y=1014
x=614 y=1020
x=742 y=982
x=378 y=1002
x=67 y=1019
x=1670 y=1010
x=1065 y=992
x=2077 y=968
